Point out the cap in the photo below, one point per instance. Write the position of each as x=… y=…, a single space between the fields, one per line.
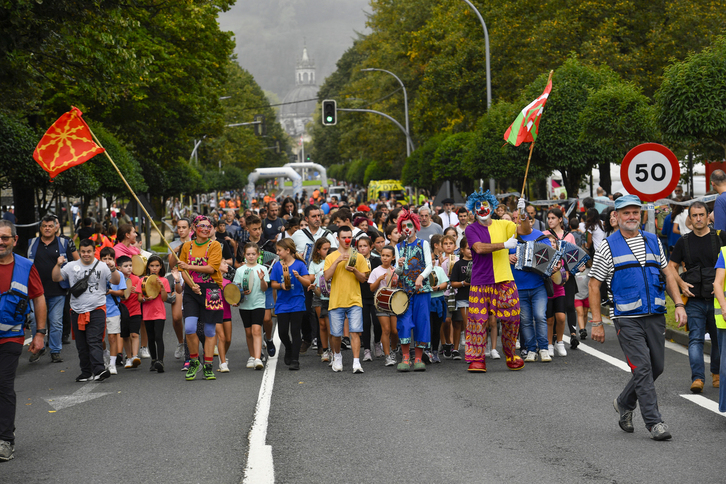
x=627 y=201
x=363 y=208
x=447 y=200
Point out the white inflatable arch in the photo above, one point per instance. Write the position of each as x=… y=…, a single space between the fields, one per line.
x=278 y=172
x=320 y=168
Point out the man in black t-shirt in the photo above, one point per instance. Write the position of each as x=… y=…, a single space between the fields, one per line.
x=272 y=225
x=699 y=250
x=87 y=230
x=223 y=237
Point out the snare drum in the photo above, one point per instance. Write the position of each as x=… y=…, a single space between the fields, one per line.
x=232 y=294
x=391 y=300
x=150 y=286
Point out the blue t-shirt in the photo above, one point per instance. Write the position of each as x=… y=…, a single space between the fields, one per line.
x=668 y=228
x=720 y=263
x=524 y=279
x=294 y=299
x=111 y=306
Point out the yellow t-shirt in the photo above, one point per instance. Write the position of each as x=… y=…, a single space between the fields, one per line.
x=494 y=267
x=345 y=288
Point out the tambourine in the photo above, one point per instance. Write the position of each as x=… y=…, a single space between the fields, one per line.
x=433 y=280
x=286 y=276
x=150 y=286
x=127 y=291
x=232 y=294
x=138 y=263
x=353 y=257
x=246 y=280
x=452 y=261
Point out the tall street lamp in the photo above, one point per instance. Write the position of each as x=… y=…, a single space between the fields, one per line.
x=405 y=104
x=486 y=44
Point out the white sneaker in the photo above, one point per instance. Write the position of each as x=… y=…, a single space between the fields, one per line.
x=379 y=350
x=357 y=368
x=560 y=348
x=391 y=359
x=179 y=351
x=531 y=357
x=144 y=352
x=544 y=355
x=366 y=357
x=251 y=362
x=551 y=350
x=495 y=355
x=113 y=370
x=325 y=357
x=518 y=345
x=128 y=364
x=258 y=364
x=224 y=367
x=338 y=362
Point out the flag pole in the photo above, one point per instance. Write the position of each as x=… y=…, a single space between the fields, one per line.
x=137 y=199
x=531 y=147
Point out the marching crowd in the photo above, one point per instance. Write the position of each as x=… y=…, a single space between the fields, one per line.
x=404 y=284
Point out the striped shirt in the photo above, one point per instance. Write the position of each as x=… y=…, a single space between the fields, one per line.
x=603 y=267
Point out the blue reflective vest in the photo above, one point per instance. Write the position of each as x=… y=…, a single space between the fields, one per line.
x=636 y=289
x=14 y=304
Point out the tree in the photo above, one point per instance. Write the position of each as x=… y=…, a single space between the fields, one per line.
x=448 y=162
x=691 y=102
x=378 y=170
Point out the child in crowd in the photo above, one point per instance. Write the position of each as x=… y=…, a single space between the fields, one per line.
x=369 y=307
x=320 y=299
x=448 y=258
x=130 y=330
x=253 y=279
x=437 y=308
x=383 y=276
x=154 y=311
x=113 y=314
x=461 y=281
x=557 y=311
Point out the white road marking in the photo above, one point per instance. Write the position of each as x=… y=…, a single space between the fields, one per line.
x=599 y=354
x=81 y=395
x=260 y=469
x=704 y=402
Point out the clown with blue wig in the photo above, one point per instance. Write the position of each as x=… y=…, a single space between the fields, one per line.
x=493 y=293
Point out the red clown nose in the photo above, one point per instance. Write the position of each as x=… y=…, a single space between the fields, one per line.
x=347 y=240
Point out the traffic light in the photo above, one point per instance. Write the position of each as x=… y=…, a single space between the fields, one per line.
x=329 y=113
x=307 y=158
x=260 y=129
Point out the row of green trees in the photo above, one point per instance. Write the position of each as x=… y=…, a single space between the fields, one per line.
x=624 y=73
x=151 y=77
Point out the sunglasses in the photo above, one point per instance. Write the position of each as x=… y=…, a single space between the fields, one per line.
x=6 y=238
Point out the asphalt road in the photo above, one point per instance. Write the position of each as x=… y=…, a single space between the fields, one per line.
x=550 y=422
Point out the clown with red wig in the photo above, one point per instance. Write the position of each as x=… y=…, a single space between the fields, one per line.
x=493 y=294
x=413 y=266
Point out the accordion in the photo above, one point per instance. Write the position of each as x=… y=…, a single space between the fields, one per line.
x=536 y=257
x=573 y=256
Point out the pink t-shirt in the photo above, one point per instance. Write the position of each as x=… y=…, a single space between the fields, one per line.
x=121 y=249
x=154 y=309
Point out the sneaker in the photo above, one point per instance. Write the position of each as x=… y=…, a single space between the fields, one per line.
x=427 y=357
x=626 y=417
x=367 y=356
x=209 y=372
x=179 y=351
x=697 y=386
x=379 y=350
x=112 y=369
x=7 y=451
x=120 y=359
x=271 y=350
x=56 y=358
x=216 y=350
x=357 y=368
x=583 y=334
x=314 y=345
x=144 y=352
x=224 y=367
x=419 y=365
x=66 y=339
x=574 y=342
x=531 y=357
x=304 y=347
x=186 y=366
x=325 y=357
x=560 y=348
x=544 y=356
x=36 y=356
x=192 y=370
x=250 y=362
x=152 y=367
x=345 y=343
x=435 y=357
x=495 y=355
x=160 y=366
x=390 y=359
x=102 y=376
x=404 y=365
x=128 y=363
x=517 y=345
x=551 y=350
x=135 y=361
x=84 y=378
x=258 y=364
x=294 y=365
x=455 y=355
x=447 y=351
x=659 y=431
x=338 y=362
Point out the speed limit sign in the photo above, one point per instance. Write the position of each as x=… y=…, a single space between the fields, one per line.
x=650 y=171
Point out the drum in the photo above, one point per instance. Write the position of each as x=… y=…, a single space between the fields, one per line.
x=138 y=263
x=286 y=276
x=573 y=256
x=353 y=259
x=232 y=294
x=392 y=300
x=150 y=287
x=127 y=291
x=433 y=280
x=324 y=285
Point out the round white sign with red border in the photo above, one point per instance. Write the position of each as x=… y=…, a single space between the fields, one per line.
x=651 y=171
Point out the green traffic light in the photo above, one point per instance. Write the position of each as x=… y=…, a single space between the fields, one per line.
x=329 y=119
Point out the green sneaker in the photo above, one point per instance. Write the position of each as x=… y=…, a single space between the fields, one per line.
x=404 y=366
x=193 y=369
x=419 y=365
x=209 y=372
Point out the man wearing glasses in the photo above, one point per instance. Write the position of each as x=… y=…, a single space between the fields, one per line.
x=43 y=252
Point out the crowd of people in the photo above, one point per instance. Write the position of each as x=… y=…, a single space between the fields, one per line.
x=407 y=285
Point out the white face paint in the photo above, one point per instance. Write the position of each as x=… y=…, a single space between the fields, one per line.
x=407 y=229
x=483 y=211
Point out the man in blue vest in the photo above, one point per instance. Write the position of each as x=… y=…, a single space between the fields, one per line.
x=43 y=252
x=635 y=267
x=19 y=284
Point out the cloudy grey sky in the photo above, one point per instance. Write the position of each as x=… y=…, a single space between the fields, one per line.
x=270 y=36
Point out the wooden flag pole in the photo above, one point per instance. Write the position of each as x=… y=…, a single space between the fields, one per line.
x=531 y=147
x=105 y=151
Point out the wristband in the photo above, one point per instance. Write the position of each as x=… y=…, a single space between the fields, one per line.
x=680 y=305
x=596 y=324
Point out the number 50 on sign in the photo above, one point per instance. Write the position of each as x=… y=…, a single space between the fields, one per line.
x=650 y=171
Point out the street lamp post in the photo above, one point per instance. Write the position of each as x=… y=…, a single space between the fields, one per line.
x=405 y=103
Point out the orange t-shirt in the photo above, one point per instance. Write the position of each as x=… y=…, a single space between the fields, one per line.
x=210 y=252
